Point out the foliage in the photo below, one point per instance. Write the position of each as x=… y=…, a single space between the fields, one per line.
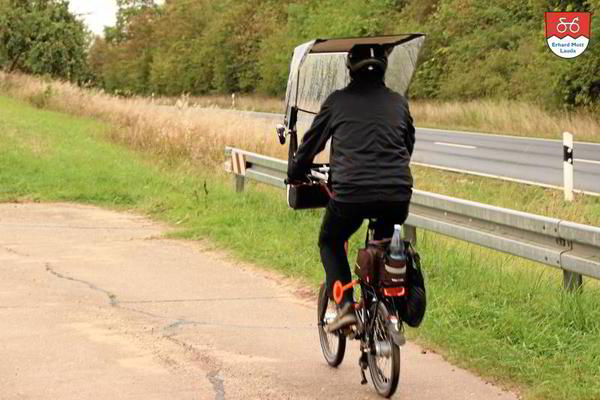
x=580 y=85
x=42 y=37
x=122 y=59
x=475 y=48
x=486 y=49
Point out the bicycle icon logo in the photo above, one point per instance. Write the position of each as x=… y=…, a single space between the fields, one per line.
x=572 y=26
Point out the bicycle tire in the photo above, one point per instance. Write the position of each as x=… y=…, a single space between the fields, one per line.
x=333 y=345
x=384 y=385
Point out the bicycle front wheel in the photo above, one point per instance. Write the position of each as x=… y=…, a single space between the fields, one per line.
x=333 y=344
x=384 y=359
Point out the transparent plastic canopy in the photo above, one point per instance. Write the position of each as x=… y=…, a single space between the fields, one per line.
x=318 y=68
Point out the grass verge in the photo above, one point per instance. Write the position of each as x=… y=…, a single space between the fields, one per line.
x=504 y=317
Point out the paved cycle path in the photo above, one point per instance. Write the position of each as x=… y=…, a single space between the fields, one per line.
x=95 y=305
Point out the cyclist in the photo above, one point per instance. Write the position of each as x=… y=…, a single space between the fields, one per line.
x=372 y=140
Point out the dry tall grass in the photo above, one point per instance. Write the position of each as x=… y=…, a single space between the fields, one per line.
x=199 y=134
x=201 y=131
x=512 y=118
x=235 y=101
x=501 y=117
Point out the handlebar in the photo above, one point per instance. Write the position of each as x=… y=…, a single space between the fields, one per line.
x=318 y=173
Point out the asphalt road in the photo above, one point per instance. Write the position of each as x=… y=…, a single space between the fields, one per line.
x=536 y=161
x=94 y=305
x=531 y=160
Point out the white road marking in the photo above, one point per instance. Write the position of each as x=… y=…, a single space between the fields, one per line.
x=505 y=136
x=586 y=161
x=504 y=178
x=462 y=146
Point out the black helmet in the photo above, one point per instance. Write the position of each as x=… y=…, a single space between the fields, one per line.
x=372 y=56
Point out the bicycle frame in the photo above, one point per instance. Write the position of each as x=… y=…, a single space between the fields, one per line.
x=369 y=293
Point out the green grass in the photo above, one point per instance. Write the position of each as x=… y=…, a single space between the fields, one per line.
x=504 y=317
x=47 y=156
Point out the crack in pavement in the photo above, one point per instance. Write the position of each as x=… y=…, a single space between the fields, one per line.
x=213 y=376
x=114 y=302
x=218 y=384
x=13 y=251
x=111 y=296
x=74 y=227
x=204 y=299
x=184 y=321
x=177 y=322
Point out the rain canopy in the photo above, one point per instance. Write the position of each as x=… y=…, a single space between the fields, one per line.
x=318 y=68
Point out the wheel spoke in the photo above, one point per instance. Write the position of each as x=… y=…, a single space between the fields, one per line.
x=332 y=344
x=385 y=363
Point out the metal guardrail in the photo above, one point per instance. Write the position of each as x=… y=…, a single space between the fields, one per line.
x=572 y=247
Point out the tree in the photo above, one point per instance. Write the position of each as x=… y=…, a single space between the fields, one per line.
x=121 y=60
x=182 y=59
x=42 y=37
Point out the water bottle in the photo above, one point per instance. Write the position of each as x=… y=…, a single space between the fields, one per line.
x=397 y=245
x=395 y=266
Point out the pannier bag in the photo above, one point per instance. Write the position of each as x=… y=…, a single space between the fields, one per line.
x=412 y=306
x=303 y=196
x=374 y=266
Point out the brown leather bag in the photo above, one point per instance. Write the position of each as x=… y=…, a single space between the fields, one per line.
x=369 y=261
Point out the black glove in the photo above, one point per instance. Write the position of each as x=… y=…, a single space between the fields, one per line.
x=295 y=173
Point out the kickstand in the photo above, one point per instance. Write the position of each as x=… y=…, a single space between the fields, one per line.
x=363 y=363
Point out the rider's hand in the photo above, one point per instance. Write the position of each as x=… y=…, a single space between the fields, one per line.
x=295 y=174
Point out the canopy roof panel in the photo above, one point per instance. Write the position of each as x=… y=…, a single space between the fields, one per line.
x=318 y=68
x=345 y=44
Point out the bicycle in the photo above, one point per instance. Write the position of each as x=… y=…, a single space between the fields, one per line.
x=379 y=328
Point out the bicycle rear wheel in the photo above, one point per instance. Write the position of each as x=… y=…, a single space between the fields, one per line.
x=333 y=344
x=384 y=361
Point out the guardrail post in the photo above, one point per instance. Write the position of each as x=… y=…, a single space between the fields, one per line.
x=410 y=234
x=572 y=281
x=238 y=181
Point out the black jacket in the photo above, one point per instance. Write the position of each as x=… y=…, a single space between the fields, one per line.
x=372 y=140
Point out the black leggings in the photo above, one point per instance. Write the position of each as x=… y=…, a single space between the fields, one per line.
x=341 y=220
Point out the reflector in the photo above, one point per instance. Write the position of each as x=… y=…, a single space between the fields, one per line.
x=394 y=291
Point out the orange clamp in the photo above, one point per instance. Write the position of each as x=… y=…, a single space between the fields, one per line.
x=339 y=289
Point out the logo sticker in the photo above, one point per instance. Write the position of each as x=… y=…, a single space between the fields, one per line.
x=568 y=33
